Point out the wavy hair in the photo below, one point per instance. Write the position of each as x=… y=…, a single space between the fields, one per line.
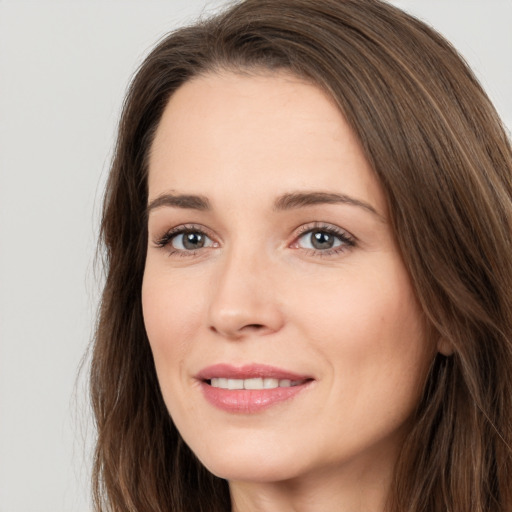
x=444 y=161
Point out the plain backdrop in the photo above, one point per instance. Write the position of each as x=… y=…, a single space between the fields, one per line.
x=64 y=68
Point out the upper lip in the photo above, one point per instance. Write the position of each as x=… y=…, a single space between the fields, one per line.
x=248 y=371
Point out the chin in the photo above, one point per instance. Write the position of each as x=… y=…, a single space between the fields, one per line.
x=251 y=471
x=250 y=461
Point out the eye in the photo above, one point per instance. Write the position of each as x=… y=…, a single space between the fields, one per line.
x=319 y=240
x=190 y=241
x=185 y=239
x=324 y=239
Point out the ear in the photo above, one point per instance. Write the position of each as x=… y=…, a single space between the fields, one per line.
x=444 y=347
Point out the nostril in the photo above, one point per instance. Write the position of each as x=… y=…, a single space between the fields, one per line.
x=239 y=331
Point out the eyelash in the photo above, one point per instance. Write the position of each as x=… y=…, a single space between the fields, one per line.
x=347 y=241
x=165 y=240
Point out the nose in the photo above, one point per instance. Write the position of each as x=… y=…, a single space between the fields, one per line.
x=244 y=299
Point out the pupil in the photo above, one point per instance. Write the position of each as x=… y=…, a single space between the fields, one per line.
x=193 y=241
x=322 y=240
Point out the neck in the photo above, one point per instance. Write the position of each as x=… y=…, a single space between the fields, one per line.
x=353 y=488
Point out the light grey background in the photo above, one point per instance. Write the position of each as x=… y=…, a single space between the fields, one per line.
x=64 y=67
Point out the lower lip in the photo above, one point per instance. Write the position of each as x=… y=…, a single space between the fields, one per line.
x=249 y=401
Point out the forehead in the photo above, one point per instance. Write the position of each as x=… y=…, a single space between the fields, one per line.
x=273 y=128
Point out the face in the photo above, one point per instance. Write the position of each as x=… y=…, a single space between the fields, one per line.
x=285 y=332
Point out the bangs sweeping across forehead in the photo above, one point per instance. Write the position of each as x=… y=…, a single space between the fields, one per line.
x=445 y=163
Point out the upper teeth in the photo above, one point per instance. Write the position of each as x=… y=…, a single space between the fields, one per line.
x=257 y=383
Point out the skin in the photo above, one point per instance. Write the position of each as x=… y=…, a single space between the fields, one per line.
x=259 y=292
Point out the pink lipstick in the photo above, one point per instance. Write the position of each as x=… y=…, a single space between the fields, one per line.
x=251 y=388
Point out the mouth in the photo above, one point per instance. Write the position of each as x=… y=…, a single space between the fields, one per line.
x=250 y=388
x=253 y=383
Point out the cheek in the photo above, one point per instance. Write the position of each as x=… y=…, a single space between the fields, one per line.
x=171 y=316
x=371 y=332
x=370 y=327
x=359 y=306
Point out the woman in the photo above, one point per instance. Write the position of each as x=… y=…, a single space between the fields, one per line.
x=308 y=298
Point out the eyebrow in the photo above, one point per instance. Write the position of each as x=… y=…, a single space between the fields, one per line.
x=290 y=201
x=186 y=201
x=303 y=199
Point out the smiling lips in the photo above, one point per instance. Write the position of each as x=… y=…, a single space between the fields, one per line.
x=255 y=383
x=249 y=389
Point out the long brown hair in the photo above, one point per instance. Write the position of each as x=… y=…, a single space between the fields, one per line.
x=444 y=161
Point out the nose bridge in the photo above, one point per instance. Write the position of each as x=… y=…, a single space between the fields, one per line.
x=242 y=298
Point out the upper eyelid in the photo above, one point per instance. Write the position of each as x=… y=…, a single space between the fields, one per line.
x=323 y=226
x=183 y=228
